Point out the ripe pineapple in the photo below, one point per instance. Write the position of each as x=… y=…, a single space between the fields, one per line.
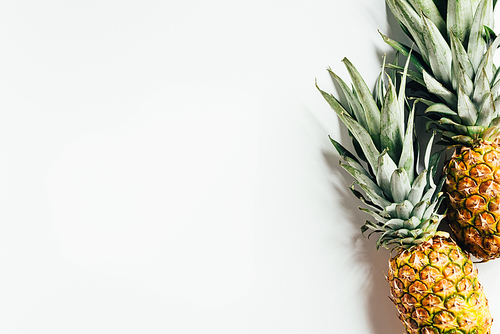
x=455 y=65
x=433 y=283
x=435 y=288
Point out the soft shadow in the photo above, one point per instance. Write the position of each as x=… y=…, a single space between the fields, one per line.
x=366 y=259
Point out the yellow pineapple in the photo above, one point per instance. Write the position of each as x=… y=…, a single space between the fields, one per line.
x=435 y=288
x=433 y=283
x=472 y=182
x=454 y=64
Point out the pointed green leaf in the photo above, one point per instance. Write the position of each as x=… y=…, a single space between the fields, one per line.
x=415 y=233
x=375 y=215
x=362 y=178
x=466 y=109
x=463 y=80
x=403 y=233
x=466 y=140
x=429 y=211
x=439 y=52
x=457 y=128
x=342 y=151
x=391 y=134
x=459 y=18
x=368 y=225
x=419 y=209
x=495 y=122
x=474 y=4
x=481 y=89
x=400 y=185
x=390 y=210
x=394 y=224
x=402 y=94
x=406 y=160
x=428 y=7
x=348 y=156
x=437 y=196
x=360 y=196
x=393 y=72
x=496 y=87
x=385 y=168
x=435 y=87
x=404 y=209
x=357 y=109
x=487 y=112
x=415 y=57
x=434 y=161
x=373 y=196
x=380 y=86
x=428 y=151
x=429 y=191
x=424 y=225
x=417 y=188
x=491 y=133
x=440 y=108
x=487 y=60
x=411 y=224
x=417 y=77
x=496 y=77
x=475 y=131
x=363 y=137
x=490 y=34
x=412 y=75
x=477 y=44
x=459 y=56
x=412 y=21
x=497 y=104
x=366 y=99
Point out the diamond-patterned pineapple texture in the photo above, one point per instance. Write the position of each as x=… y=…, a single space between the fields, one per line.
x=473 y=186
x=436 y=290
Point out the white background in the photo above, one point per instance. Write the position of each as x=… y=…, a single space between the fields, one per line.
x=165 y=168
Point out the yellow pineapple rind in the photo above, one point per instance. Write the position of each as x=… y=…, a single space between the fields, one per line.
x=473 y=189
x=435 y=289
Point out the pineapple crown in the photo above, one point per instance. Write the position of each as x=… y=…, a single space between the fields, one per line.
x=402 y=201
x=456 y=46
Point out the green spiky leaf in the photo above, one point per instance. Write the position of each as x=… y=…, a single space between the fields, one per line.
x=366 y=99
x=466 y=109
x=459 y=19
x=356 y=108
x=477 y=43
x=439 y=52
x=435 y=87
x=391 y=134
x=400 y=185
x=415 y=57
x=363 y=137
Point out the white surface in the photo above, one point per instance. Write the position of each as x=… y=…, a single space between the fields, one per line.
x=165 y=168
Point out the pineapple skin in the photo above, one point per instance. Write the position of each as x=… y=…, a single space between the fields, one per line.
x=436 y=290
x=473 y=188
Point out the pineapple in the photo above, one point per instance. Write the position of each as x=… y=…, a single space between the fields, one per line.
x=435 y=289
x=455 y=66
x=433 y=283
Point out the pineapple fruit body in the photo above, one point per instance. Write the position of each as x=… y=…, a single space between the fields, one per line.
x=436 y=290
x=473 y=187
